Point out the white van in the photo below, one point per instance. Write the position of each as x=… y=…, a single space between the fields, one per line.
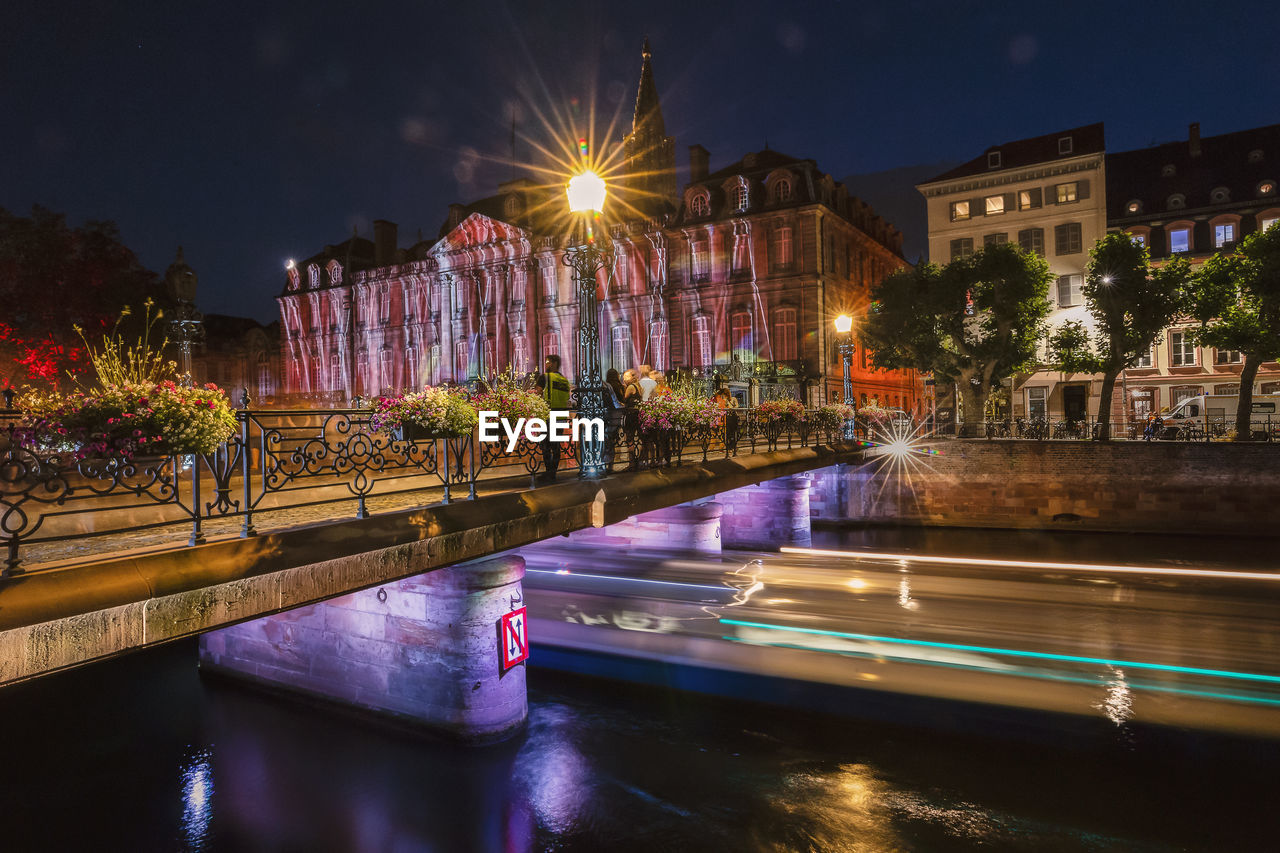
x=1216 y=413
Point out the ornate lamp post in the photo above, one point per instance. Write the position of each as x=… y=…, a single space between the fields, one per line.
x=844 y=328
x=186 y=324
x=586 y=193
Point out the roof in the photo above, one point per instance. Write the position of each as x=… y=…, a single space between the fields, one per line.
x=759 y=162
x=1027 y=152
x=1224 y=161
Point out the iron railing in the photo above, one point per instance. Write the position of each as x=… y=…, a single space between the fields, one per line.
x=1261 y=429
x=293 y=459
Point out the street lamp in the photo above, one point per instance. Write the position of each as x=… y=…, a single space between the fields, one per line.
x=586 y=192
x=844 y=327
x=186 y=324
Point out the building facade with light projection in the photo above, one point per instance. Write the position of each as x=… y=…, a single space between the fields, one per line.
x=736 y=279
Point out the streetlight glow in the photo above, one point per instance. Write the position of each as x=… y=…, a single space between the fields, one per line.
x=844 y=323
x=586 y=192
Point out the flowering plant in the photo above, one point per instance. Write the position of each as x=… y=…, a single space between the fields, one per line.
x=130 y=419
x=829 y=417
x=678 y=411
x=134 y=407
x=783 y=410
x=510 y=401
x=872 y=413
x=441 y=412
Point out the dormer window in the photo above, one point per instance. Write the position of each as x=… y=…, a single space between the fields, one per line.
x=699 y=205
x=1255 y=156
x=1133 y=206
x=512 y=206
x=1267 y=187
x=1177 y=201
x=782 y=190
x=1220 y=195
x=993 y=159
x=1168 y=170
x=1065 y=145
x=740 y=197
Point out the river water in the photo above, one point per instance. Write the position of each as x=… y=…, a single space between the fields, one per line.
x=142 y=753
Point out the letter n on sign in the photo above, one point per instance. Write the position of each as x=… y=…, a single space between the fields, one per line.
x=514 y=641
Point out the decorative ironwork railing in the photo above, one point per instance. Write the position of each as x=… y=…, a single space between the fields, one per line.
x=295 y=459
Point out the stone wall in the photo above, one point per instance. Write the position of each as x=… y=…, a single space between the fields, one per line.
x=1122 y=486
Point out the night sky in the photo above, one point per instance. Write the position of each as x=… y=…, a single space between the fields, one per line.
x=252 y=133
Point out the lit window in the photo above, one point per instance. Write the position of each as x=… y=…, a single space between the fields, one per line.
x=1069 y=290
x=1180 y=240
x=740 y=197
x=995 y=239
x=1067 y=239
x=1029 y=199
x=700 y=206
x=1134 y=206
x=698 y=258
x=1140 y=239
x=1267 y=223
x=461 y=361
x=702 y=341
x=621 y=350
x=993 y=159
x=520 y=354
x=1223 y=234
x=782 y=245
x=782 y=190
x=1032 y=240
x=1066 y=192
x=961 y=248
x=1227 y=356
x=784 y=334
x=1267 y=188
x=959 y=210
x=995 y=205
x=1064 y=145
x=658 y=345
x=740 y=336
x=1182 y=352
x=551 y=344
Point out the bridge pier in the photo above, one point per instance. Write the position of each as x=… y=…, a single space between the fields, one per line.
x=687 y=526
x=423 y=650
x=767 y=516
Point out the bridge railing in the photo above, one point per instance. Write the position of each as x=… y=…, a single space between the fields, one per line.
x=302 y=465
x=1264 y=428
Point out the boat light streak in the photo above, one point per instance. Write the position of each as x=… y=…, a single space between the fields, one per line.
x=1017 y=653
x=1021 y=564
x=630 y=580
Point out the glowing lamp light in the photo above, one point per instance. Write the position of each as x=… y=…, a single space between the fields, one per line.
x=844 y=323
x=290 y=264
x=586 y=192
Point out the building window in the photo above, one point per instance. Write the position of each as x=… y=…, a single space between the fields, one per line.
x=461 y=361
x=702 y=341
x=512 y=207
x=740 y=198
x=489 y=346
x=1064 y=145
x=1133 y=206
x=784 y=334
x=1069 y=290
x=1168 y=170
x=998 y=239
x=264 y=377
x=1180 y=240
x=1177 y=201
x=1264 y=224
x=411 y=366
x=700 y=206
x=1032 y=240
x=1140 y=239
x=740 y=336
x=993 y=159
x=995 y=205
x=1227 y=356
x=959 y=211
x=961 y=248
x=782 y=245
x=519 y=354
x=1178 y=393
x=1220 y=195
x=1182 y=352
x=1066 y=238
x=620 y=350
x=1223 y=234
x=1066 y=192
x=1144 y=360
x=551 y=343
x=782 y=190
x=698 y=259
x=658 y=345
x=1232 y=390
x=1035 y=403
x=1143 y=401
x=1267 y=187
x=1029 y=199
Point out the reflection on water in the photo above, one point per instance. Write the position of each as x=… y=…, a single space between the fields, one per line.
x=197 y=799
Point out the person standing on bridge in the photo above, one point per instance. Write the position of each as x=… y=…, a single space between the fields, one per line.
x=555 y=390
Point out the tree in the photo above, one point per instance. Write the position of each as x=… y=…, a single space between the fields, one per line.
x=53 y=278
x=1236 y=298
x=1130 y=304
x=971 y=322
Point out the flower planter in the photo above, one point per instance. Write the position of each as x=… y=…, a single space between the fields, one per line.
x=414 y=432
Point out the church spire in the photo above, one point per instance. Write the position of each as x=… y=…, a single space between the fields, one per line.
x=651 y=158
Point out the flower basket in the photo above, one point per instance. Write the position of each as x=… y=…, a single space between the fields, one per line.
x=424 y=415
x=511 y=403
x=782 y=412
x=830 y=417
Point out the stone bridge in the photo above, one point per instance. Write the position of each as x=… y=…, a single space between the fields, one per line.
x=396 y=613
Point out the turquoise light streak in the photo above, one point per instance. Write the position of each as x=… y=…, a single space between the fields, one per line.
x=1182 y=670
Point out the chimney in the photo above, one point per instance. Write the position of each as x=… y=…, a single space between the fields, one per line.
x=384 y=242
x=699 y=163
x=1195 y=139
